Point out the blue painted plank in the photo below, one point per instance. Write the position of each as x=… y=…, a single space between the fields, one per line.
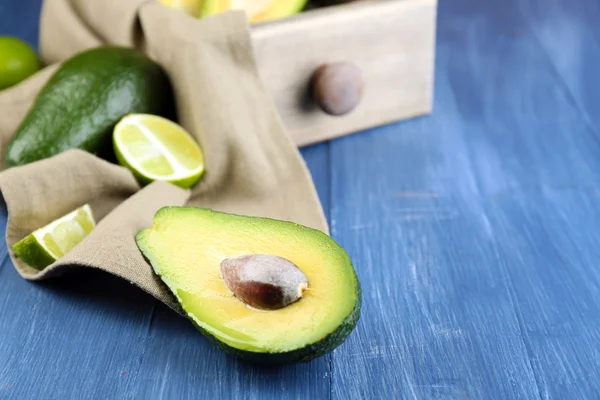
x=529 y=132
x=550 y=246
x=539 y=175
x=569 y=34
x=439 y=256
x=439 y=320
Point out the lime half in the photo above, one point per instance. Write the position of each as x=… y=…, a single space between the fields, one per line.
x=157 y=149
x=46 y=245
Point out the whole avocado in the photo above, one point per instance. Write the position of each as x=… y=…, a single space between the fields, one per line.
x=84 y=99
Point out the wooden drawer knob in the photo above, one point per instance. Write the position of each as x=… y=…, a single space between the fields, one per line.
x=337 y=87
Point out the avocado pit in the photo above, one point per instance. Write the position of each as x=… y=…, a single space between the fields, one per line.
x=264 y=281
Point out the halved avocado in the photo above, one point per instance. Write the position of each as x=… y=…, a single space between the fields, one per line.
x=187 y=247
x=258 y=10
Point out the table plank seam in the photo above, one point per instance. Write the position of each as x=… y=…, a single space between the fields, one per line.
x=565 y=86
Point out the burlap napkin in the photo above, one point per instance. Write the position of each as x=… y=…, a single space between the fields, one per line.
x=253 y=167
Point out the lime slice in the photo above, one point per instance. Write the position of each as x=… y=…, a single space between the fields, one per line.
x=46 y=245
x=157 y=149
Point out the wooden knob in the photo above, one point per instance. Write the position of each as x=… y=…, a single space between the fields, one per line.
x=337 y=87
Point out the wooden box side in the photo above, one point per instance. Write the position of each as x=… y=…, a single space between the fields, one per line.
x=391 y=41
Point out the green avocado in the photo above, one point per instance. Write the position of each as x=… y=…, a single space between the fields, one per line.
x=83 y=100
x=188 y=248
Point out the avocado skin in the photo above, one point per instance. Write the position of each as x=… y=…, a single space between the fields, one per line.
x=84 y=99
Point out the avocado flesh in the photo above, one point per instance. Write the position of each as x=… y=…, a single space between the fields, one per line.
x=83 y=100
x=185 y=247
x=267 y=11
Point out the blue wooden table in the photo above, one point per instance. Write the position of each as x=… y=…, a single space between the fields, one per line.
x=475 y=233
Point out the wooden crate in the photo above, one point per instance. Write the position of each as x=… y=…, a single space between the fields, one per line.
x=391 y=41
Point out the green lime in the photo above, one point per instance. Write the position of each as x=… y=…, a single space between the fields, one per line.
x=157 y=149
x=49 y=243
x=18 y=61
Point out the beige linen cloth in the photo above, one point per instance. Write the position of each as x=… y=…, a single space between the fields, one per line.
x=253 y=167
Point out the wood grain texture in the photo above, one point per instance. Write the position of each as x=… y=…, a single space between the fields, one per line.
x=391 y=41
x=473 y=231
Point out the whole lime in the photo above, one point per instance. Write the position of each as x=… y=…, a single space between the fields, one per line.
x=18 y=61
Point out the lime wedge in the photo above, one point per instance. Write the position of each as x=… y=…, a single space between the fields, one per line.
x=46 y=245
x=157 y=149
